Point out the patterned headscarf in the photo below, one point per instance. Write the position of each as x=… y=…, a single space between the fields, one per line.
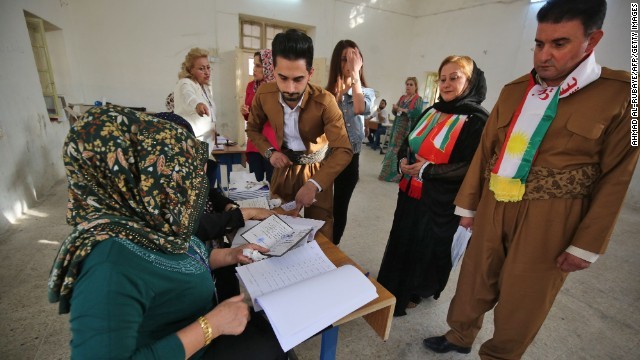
x=267 y=67
x=130 y=176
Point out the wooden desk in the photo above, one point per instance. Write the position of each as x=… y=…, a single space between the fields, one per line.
x=378 y=312
x=232 y=154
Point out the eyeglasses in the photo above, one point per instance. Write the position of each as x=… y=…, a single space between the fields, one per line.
x=204 y=69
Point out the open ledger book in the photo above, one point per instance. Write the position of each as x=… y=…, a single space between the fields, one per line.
x=303 y=292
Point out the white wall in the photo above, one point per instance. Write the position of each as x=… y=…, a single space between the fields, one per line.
x=129 y=52
x=30 y=145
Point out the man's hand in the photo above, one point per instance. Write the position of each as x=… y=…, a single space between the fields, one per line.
x=306 y=195
x=279 y=160
x=569 y=263
x=466 y=222
x=202 y=109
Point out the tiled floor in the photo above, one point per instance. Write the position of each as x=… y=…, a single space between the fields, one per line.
x=596 y=316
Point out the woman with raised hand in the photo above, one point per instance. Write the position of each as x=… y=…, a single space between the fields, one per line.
x=347 y=84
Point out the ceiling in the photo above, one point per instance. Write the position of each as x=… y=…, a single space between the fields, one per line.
x=419 y=8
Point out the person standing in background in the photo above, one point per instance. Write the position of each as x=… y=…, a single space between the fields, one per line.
x=192 y=96
x=194 y=102
x=348 y=85
x=406 y=111
x=262 y=73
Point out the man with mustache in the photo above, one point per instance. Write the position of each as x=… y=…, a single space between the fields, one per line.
x=309 y=128
x=545 y=186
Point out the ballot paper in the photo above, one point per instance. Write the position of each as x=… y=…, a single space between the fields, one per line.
x=460 y=241
x=259 y=202
x=276 y=235
x=303 y=292
x=297 y=223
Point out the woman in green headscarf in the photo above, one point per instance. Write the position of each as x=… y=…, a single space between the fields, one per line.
x=135 y=280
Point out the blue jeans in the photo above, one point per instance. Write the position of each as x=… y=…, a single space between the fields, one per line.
x=381 y=131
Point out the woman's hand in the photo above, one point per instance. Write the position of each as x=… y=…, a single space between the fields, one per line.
x=238 y=257
x=395 y=108
x=202 y=109
x=244 y=110
x=412 y=169
x=354 y=62
x=231 y=256
x=255 y=213
x=230 y=317
x=466 y=222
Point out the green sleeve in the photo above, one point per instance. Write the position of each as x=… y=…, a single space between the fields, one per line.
x=107 y=308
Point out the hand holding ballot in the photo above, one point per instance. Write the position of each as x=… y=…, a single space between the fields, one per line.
x=276 y=234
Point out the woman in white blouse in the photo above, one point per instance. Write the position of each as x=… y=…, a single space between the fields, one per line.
x=193 y=100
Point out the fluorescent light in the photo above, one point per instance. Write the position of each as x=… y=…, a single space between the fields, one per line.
x=534 y=1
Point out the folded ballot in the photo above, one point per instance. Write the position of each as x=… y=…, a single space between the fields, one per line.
x=303 y=292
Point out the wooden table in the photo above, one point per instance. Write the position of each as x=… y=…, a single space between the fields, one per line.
x=232 y=154
x=378 y=312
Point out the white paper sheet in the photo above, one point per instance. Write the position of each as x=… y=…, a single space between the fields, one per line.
x=460 y=241
x=259 y=202
x=265 y=276
x=303 y=292
x=301 y=310
x=276 y=235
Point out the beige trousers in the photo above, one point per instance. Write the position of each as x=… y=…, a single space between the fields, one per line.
x=511 y=264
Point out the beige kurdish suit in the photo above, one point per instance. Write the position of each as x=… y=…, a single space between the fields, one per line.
x=320 y=124
x=573 y=195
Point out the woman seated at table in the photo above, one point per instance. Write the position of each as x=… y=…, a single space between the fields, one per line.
x=135 y=280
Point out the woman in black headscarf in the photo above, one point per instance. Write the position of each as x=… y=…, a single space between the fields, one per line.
x=433 y=161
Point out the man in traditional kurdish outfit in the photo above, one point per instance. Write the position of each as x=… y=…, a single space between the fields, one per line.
x=546 y=184
x=310 y=131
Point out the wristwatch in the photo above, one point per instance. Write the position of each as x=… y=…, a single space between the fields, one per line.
x=269 y=152
x=233 y=207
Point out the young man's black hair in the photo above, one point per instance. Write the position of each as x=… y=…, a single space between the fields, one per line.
x=293 y=45
x=591 y=13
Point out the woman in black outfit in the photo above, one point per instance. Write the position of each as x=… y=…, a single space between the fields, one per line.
x=433 y=161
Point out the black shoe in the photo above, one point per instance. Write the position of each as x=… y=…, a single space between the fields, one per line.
x=441 y=345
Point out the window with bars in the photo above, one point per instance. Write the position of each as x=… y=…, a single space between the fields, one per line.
x=256 y=34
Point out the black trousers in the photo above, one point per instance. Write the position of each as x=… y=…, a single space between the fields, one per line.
x=257 y=341
x=259 y=166
x=343 y=187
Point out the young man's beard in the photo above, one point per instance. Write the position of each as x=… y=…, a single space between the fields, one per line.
x=291 y=97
